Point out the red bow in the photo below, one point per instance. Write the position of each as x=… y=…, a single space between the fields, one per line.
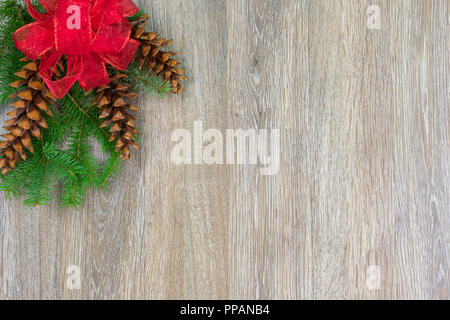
x=89 y=32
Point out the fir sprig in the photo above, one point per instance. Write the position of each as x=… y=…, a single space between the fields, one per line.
x=136 y=16
x=146 y=81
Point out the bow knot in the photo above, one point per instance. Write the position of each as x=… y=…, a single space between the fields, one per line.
x=89 y=32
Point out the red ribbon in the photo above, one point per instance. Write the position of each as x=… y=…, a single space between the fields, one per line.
x=90 y=32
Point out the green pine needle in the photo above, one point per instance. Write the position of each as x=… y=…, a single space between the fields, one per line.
x=147 y=82
x=136 y=16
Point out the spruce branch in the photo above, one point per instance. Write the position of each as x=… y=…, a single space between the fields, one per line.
x=111 y=169
x=146 y=81
x=136 y=16
x=14 y=182
x=89 y=124
x=85 y=113
x=40 y=195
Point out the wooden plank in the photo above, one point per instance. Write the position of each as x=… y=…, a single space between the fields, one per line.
x=270 y=219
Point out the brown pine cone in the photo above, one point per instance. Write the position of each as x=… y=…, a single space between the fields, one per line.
x=114 y=108
x=158 y=61
x=26 y=118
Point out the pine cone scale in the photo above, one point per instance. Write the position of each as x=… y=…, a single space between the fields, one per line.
x=114 y=109
x=155 y=58
x=26 y=118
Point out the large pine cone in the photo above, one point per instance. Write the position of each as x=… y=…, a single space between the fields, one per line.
x=114 y=108
x=157 y=60
x=26 y=118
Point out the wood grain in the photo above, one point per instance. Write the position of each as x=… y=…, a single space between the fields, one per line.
x=364 y=178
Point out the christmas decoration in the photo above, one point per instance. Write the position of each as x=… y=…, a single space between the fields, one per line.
x=111 y=99
x=26 y=118
x=101 y=36
x=158 y=61
x=72 y=69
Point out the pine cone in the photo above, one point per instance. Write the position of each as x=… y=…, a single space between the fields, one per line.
x=158 y=61
x=114 y=108
x=26 y=118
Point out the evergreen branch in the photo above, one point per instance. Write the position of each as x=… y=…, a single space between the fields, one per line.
x=15 y=178
x=79 y=143
x=80 y=154
x=20 y=13
x=59 y=125
x=80 y=149
x=72 y=181
x=44 y=167
x=80 y=135
x=39 y=188
x=61 y=166
x=63 y=160
x=72 y=196
x=74 y=191
x=147 y=81
x=111 y=168
x=86 y=113
x=136 y=16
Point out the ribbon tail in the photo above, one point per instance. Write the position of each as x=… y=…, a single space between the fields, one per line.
x=60 y=87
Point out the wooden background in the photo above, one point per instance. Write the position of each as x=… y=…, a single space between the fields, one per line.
x=364 y=120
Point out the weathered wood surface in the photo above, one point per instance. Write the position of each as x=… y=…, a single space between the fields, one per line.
x=364 y=179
